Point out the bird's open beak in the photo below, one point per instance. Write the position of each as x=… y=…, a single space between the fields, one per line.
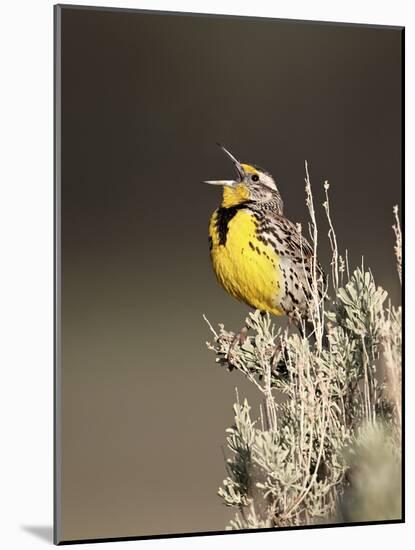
x=239 y=169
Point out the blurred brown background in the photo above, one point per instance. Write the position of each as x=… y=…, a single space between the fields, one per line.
x=144 y=99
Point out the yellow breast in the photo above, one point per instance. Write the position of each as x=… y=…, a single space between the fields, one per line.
x=247 y=268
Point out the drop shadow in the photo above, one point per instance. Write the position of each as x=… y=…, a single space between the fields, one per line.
x=44 y=532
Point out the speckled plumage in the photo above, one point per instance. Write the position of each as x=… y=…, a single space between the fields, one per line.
x=257 y=254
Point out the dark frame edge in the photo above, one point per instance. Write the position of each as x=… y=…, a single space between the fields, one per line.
x=57 y=527
x=240 y=531
x=226 y=15
x=402 y=214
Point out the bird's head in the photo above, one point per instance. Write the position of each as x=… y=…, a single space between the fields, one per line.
x=252 y=184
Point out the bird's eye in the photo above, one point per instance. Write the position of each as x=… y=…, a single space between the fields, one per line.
x=255 y=177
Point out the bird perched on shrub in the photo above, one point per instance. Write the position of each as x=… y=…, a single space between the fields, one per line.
x=258 y=255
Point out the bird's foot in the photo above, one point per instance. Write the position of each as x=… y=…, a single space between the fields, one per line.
x=294 y=318
x=280 y=360
x=239 y=338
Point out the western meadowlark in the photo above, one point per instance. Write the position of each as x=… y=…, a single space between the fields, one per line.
x=258 y=255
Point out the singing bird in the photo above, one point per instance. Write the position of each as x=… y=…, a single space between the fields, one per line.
x=257 y=254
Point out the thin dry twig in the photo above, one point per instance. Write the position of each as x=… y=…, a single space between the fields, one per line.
x=398 y=244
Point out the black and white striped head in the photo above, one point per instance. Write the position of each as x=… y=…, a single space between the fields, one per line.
x=254 y=184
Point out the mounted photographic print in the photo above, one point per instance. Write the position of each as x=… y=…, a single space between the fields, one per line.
x=228 y=260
